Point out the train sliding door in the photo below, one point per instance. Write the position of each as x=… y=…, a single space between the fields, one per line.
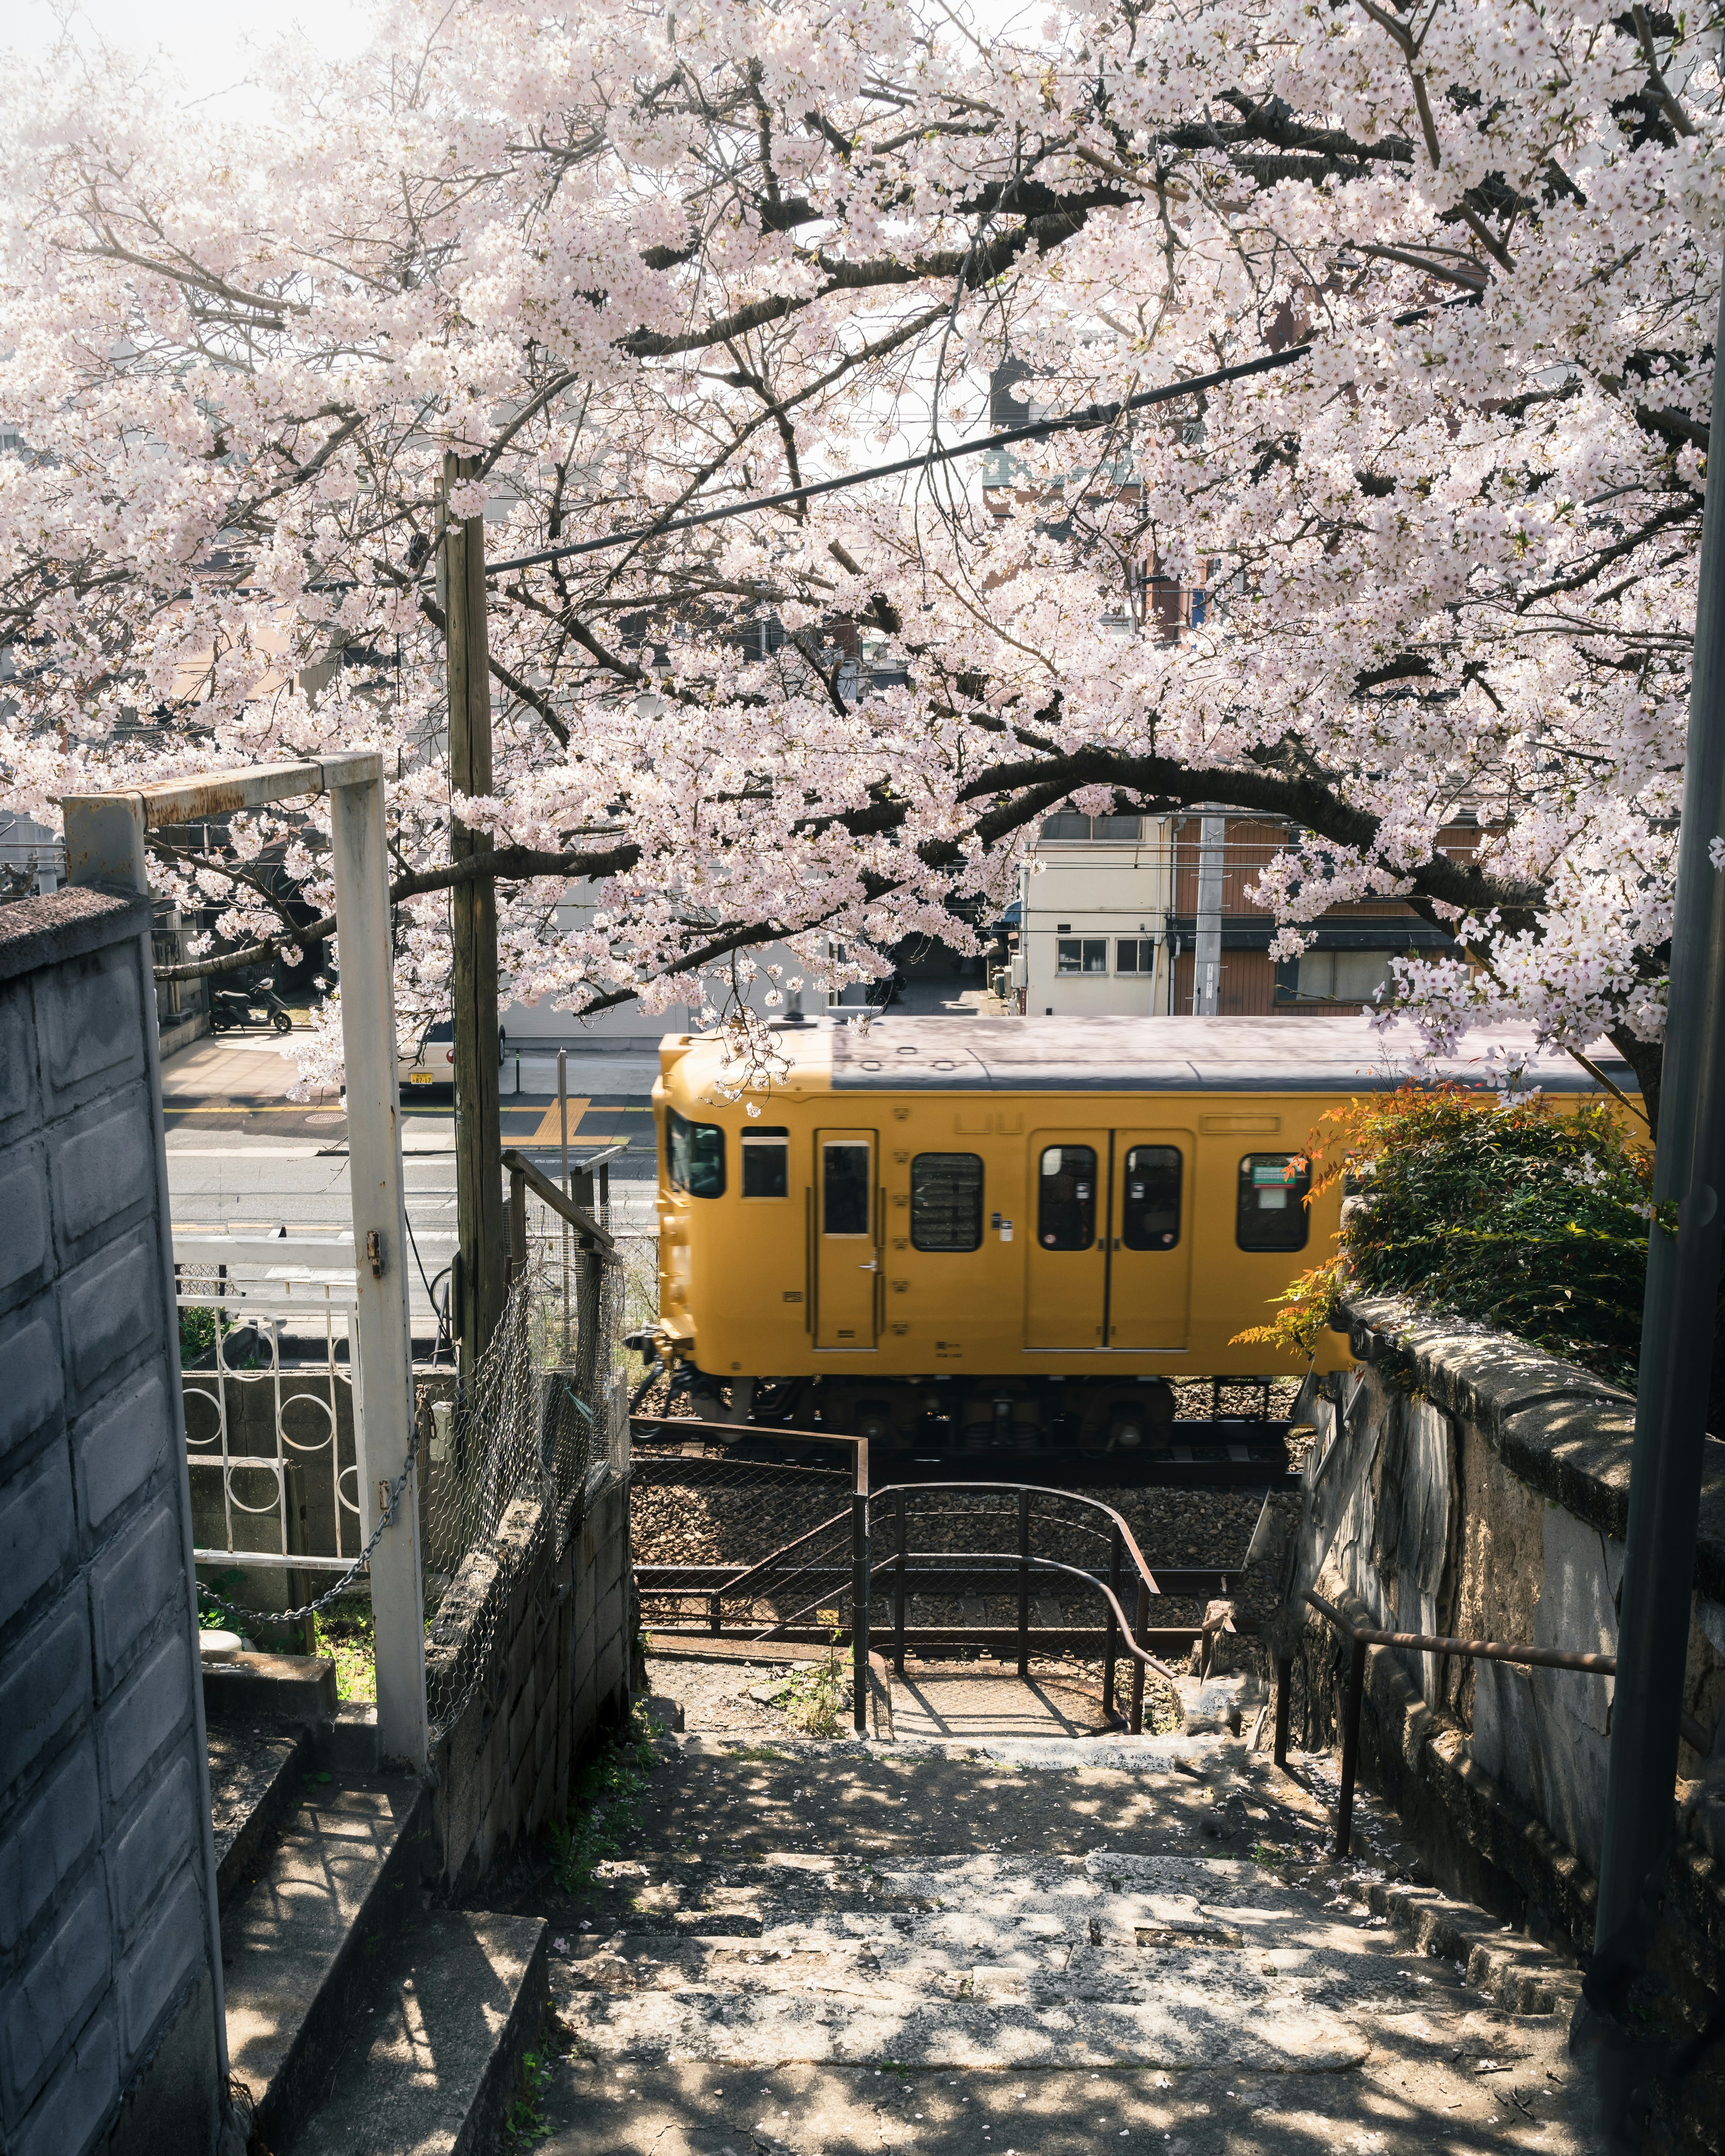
x=1067 y=1262
x=847 y=1257
x=1150 y=1244
x=1110 y=1258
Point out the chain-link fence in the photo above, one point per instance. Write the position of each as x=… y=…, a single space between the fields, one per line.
x=516 y=1458
x=744 y=1530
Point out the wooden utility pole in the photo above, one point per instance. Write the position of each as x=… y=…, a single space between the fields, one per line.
x=482 y=1260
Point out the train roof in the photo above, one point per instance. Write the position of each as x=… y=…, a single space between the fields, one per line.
x=1289 y=1054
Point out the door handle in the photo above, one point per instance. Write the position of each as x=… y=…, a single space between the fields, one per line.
x=872 y=1266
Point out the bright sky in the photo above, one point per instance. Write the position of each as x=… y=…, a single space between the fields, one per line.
x=205 y=41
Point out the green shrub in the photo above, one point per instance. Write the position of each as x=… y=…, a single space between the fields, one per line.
x=1521 y=1216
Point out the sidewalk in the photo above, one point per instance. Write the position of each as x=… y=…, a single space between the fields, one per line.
x=252 y=1070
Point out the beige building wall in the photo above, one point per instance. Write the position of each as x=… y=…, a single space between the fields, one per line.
x=1078 y=893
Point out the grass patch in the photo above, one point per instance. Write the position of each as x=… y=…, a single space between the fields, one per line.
x=524 y=2123
x=347 y=1633
x=604 y=1804
x=813 y=1700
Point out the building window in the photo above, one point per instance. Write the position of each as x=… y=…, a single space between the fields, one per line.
x=1270 y=1212
x=1150 y=1210
x=1066 y=826
x=1117 y=828
x=844 y=1190
x=1344 y=976
x=697 y=1156
x=1082 y=954
x=1066 y=1197
x=765 y=1164
x=1135 y=954
x=946 y=1201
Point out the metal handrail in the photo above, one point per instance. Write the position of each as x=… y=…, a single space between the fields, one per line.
x=1360 y=1637
x=1122 y=1630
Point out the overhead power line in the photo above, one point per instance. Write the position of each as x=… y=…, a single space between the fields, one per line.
x=1034 y=430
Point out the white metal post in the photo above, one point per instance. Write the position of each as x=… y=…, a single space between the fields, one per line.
x=382 y=1350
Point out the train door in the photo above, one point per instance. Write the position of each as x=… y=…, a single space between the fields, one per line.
x=847 y=1256
x=1067 y=1262
x=1150 y=1239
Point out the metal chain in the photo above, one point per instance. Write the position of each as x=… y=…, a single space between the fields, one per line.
x=360 y=1563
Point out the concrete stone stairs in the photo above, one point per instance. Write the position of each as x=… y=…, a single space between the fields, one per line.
x=1034 y=1948
x=361 y=2015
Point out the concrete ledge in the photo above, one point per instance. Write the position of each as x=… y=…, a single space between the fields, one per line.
x=35 y=932
x=1557 y=1427
x=289 y=1688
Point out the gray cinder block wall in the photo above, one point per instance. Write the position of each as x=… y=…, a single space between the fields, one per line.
x=110 y=1993
x=537 y=1641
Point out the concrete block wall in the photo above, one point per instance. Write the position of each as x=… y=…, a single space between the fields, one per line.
x=1467 y=1485
x=108 y=1994
x=535 y=1638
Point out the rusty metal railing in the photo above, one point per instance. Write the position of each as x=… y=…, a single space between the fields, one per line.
x=1360 y=1637
x=936 y=1566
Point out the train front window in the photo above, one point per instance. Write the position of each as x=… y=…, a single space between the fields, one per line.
x=946 y=1201
x=697 y=1156
x=1270 y=1211
x=765 y=1164
x=1066 y=1197
x=1150 y=1208
x=844 y=1190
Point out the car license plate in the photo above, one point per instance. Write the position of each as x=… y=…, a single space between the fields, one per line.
x=420 y=1078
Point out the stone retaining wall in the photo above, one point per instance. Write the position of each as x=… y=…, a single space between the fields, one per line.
x=536 y=1639
x=1464 y=1485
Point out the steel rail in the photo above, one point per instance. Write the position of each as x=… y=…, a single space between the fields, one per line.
x=1360 y=1637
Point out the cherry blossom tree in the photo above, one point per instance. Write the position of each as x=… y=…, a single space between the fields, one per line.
x=1452 y=275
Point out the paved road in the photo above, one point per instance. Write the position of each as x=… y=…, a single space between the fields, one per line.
x=244 y=1162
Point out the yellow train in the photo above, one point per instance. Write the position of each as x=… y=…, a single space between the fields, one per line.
x=963 y=1235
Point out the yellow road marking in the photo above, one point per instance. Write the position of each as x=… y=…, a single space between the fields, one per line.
x=551 y=1124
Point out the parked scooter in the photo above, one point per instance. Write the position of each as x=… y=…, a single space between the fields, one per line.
x=232 y=1008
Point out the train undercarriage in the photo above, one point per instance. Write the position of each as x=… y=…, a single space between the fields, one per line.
x=1115 y=1424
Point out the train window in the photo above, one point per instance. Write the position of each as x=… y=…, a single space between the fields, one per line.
x=1082 y=954
x=844 y=1190
x=1272 y=1213
x=697 y=1156
x=1150 y=1213
x=766 y=1163
x=1066 y=1198
x=946 y=1201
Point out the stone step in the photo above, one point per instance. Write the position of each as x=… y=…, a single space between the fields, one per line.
x=1110 y=1959
x=342 y=1877
x=432 y=2061
x=255 y=1773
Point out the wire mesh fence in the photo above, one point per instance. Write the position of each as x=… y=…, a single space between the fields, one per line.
x=740 y=1529
x=515 y=1458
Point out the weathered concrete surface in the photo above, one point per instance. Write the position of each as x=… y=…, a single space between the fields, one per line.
x=532 y=1640
x=431 y=2063
x=254 y=1777
x=108 y=1983
x=929 y=1701
x=1468 y=1486
x=1402 y=2101
x=296 y=1946
x=1033 y=1952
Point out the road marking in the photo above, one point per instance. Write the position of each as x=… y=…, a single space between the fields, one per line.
x=550 y=1130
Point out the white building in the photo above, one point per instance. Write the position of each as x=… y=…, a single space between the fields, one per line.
x=1094 y=902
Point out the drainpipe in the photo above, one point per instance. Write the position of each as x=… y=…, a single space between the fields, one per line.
x=1206 y=944
x=1677 y=1326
